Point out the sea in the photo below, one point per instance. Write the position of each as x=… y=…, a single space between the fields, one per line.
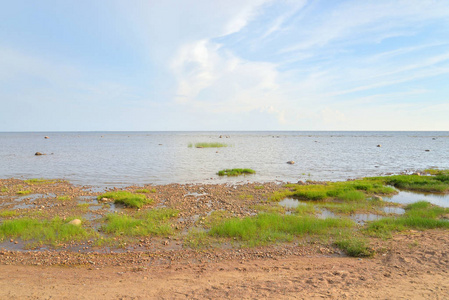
x=120 y=159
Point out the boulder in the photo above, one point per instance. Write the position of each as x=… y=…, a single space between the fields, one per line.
x=39 y=153
x=76 y=222
x=46 y=137
x=379 y=145
x=291 y=162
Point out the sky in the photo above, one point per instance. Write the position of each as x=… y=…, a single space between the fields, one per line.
x=135 y=65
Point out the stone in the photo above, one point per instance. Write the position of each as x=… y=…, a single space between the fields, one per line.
x=46 y=137
x=291 y=162
x=38 y=153
x=76 y=222
x=379 y=145
x=377 y=198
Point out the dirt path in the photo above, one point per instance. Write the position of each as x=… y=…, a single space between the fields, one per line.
x=413 y=266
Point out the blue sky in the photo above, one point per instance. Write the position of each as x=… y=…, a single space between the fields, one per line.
x=224 y=65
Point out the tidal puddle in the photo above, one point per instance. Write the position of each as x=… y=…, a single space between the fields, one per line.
x=393 y=210
x=291 y=203
x=363 y=218
x=325 y=214
x=406 y=197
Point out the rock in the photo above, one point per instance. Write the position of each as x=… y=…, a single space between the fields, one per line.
x=377 y=198
x=76 y=222
x=46 y=137
x=291 y=162
x=221 y=136
x=427 y=150
x=379 y=145
x=39 y=153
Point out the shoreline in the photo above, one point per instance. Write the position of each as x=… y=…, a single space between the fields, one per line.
x=171 y=266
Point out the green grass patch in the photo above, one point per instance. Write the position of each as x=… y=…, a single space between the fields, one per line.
x=52 y=231
x=152 y=222
x=420 y=216
x=4 y=189
x=41 y=181
x=438 y=183
x=63 y=198
x=145 y=191
x=8 y=213
x=350 y=191
x=23 y=192
x=259 y=187
x=436 y=172
x=127 y=198
x=197 y=239
x=353 y=207
x=235 y=172
x=270 y=228
x=207 y=145
x=83 y=206
x=355 y=246
x=216 y=217
x=246 y=196
x=308 y=209
x=269 y=208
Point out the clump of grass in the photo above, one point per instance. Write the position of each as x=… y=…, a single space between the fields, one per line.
x=208 y=145
x=438 y=183
x=259 y=187
x=307 y=209
x=127 y=198
x=40 y=181
x=436 y=172
x=216 y=217
x=8 y=213
x=420 y=215
x=197 y=239
x=4 y=189
x=83 y=206
x=23 y=192
x=270 y=208
x=270 y=228
x=235 y=172
x=63 y=198
x=349 y=191
x=152 y=222
x=145 y=191
x=246 y=196
x=355 y=246
x=279 y=195
x=52 y=231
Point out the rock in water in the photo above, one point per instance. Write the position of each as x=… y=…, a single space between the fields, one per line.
x=39 y=153
x=379 y=145
x=291 y=162
x=46 y=137
x=76 y=222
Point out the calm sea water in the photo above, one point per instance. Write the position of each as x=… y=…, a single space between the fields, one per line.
x=126 y=158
